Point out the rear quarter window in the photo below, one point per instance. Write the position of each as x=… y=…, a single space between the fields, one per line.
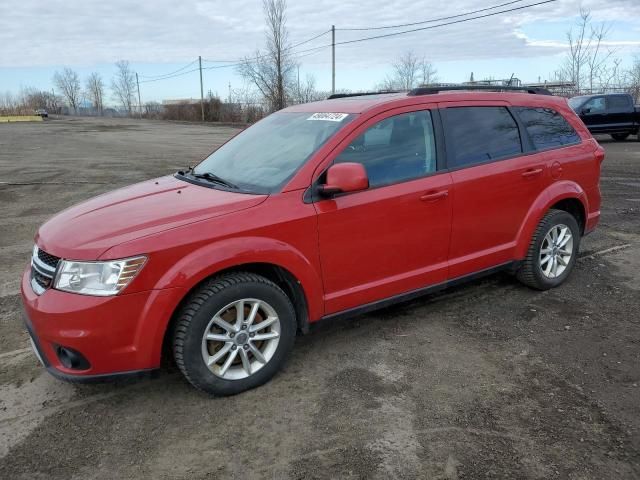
x=547 y=128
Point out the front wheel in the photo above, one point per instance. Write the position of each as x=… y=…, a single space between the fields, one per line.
x=552 y=252
x=620 y=136
x=234 y=333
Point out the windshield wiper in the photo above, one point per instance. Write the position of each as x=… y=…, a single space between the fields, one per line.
x=211 y=177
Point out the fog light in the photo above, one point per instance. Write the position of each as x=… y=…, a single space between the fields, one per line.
x=72 y=359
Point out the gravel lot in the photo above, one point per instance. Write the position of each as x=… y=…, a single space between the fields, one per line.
x=488 y=380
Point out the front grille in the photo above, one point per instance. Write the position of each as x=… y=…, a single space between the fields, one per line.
x=43 y=269
x=47 y=258
x=42 y=280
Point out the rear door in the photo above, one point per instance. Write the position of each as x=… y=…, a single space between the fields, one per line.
x=620 y=112
x=393 y=237
x=496 y=177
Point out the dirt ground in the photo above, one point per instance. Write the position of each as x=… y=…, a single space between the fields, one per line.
x=487 y=380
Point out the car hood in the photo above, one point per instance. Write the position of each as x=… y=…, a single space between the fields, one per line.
x=87 y=230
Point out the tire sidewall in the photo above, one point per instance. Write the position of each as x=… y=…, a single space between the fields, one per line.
x=560 y=218
x=620 y=137
x=197 y=370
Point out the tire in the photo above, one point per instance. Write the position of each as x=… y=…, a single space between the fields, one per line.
x=533 y=271
x=620 y=137
x=216 y=303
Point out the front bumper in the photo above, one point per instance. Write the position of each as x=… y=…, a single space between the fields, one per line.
x=117 y=335
x=592 y=221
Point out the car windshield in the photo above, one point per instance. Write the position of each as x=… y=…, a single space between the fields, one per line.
x=266 y=155
x=576 y=102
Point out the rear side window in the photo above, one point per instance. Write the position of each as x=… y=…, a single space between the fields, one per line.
x=618 y=102
x=480 y=134
x=547 y=128
x=396 y=149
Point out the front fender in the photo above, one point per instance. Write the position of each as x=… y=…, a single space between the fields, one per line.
x=235 y=252
x=199 y=264
x=556 y=192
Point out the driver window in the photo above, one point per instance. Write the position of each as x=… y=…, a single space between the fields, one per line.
x=396 y=149
x=595 y=105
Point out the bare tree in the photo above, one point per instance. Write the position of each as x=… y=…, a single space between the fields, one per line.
x=612 y=75
x=306 y=91
x=633 y=76
x=428 y=73
x=271 y=71
x=94 y=91
x=68 y=82
x=406 y=71
x=123 y=85
x=409 y=71
x=587 y=62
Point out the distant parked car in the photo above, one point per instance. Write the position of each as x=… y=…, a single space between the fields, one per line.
x=614 y=114
x=42 y=112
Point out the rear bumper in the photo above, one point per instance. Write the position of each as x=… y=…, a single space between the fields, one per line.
x=118 y=336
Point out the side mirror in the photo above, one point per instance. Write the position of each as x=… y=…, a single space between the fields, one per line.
x=585 y=111
x=345 y=177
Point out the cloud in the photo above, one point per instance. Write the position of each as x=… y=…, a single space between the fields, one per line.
x=77 y=32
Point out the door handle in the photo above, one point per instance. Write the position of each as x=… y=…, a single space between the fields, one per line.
x=532 y=172
x=434 y=196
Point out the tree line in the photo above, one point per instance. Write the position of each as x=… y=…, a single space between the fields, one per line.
x=272 y=78
x=123 y=88
x=72 y=92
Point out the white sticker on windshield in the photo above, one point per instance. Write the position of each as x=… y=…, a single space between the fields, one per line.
x=329 y=117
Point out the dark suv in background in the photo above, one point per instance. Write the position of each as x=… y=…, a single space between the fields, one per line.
x=613 y=114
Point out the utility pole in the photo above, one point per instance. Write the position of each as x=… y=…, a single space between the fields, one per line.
x=201 y=88
x=333 y=59
x=139 y=102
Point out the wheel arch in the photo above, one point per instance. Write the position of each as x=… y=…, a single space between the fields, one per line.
x=565 y=195
x=276 y=273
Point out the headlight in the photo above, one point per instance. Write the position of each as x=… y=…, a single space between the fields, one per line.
x=97 y=278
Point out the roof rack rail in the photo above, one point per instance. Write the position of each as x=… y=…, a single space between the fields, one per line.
x=491 y=88
x=360 y=94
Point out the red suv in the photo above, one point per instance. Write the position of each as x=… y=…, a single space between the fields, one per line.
x=320 y=210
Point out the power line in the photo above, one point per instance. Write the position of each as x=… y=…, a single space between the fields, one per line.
x=168 y=77
x=432 y=20
x=309 y=40
x=170 y=73
x=393 y=34
x=314 y=50
x=307 y=52
x=238 y=63
x=291 y=47
x=218 y=61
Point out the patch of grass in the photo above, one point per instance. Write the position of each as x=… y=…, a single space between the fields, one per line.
x=20 y=118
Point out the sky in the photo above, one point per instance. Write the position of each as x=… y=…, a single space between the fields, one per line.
x=38 y=37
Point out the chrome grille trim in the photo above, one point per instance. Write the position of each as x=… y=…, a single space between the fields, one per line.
x=43 y=270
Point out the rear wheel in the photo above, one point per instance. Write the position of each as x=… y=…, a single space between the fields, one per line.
x=234 y=333
x=620 y=136
x=552 y=252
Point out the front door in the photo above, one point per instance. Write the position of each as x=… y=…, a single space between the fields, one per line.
x=393 y=237
x=594 y=114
